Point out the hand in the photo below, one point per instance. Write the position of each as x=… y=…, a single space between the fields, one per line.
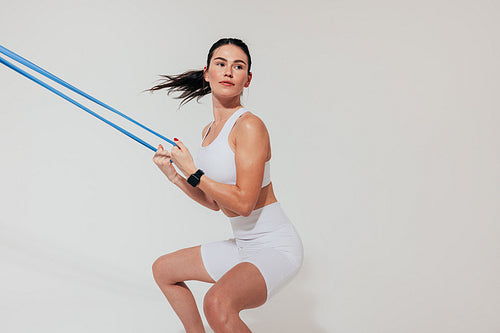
x=183 y=159
x=162 y=160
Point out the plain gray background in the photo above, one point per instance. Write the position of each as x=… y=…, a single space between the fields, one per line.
x=384 y=120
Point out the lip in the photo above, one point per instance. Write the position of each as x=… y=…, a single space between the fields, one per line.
x=226 y=83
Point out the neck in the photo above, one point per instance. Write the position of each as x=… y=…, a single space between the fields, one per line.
x=223 y=109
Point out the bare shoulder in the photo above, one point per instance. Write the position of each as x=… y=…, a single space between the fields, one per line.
x=250 y=124
x=251 y=132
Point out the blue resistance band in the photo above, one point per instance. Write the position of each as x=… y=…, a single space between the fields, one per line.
x=34 y=67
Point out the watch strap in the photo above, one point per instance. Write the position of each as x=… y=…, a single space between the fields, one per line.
x=194 y=179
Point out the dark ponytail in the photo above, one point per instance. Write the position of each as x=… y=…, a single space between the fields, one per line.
x=192 y=84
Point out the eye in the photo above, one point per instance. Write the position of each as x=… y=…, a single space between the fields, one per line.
x=220 y=64
x=238 y=67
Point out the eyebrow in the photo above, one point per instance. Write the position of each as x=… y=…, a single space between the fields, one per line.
x=224 y=59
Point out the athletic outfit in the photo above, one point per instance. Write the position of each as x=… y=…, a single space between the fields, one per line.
x=265 y=238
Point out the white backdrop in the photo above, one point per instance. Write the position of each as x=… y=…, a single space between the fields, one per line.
x=383 y=117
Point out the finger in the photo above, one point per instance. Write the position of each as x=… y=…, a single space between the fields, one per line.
x=179 y=144
x=157 y=151
x=160 y=152
x=161 y=157
x=175 y=153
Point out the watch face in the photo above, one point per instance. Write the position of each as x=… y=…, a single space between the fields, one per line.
x=193 y=180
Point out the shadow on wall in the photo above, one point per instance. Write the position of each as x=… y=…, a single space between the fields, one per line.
x=41 y=256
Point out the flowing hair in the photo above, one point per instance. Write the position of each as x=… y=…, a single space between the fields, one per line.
x=192 y=84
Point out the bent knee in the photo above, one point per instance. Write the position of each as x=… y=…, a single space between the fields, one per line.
x=162 y=268
x=217 y=308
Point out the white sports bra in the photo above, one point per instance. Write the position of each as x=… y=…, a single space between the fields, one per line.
x=217 y=159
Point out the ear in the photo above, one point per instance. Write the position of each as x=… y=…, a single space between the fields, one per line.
x=249 y=80
x=205 y=73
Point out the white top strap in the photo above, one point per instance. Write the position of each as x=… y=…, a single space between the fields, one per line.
x=208 y=130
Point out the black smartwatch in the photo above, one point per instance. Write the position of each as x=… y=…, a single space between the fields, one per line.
x=194 y=179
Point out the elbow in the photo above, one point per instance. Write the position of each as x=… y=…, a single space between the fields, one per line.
x=246 y=209
x=246 y=204
x=246 y=213
x=242 y=203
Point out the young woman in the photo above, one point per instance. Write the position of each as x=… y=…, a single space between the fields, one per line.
x=231 y=173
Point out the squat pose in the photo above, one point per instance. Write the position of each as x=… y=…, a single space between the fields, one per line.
x=231 y=174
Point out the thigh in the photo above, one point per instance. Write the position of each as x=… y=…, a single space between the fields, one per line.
x=182 y=265
x=219 y=257
x=243 y=286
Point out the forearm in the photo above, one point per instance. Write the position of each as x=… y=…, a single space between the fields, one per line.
x=228 y=196
x=195 y=193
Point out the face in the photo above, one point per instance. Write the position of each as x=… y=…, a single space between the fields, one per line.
x=227 y=72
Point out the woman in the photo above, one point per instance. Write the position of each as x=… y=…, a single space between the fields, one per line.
x=231 y=173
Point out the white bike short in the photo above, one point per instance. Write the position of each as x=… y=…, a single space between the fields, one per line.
x=267 y=239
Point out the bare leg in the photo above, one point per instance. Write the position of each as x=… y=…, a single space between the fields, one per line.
x=170 y=271
x=243 y=287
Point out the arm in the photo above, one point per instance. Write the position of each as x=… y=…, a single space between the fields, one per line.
x=162 y=159
x=195 y=193
x=252 y=146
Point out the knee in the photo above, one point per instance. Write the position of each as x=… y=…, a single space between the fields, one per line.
x=217 y=309
x=162 y=268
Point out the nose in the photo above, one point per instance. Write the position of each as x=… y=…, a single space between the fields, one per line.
x=229 y=72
